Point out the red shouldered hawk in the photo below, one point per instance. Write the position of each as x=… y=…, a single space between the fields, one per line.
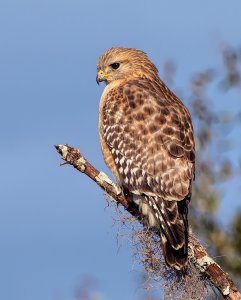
x=147 y=141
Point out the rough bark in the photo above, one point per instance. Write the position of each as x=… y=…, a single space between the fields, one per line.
x=197 y=253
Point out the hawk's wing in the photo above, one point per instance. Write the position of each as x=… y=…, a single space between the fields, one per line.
x=150 y=135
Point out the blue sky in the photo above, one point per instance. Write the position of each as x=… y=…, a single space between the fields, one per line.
x=54 y=227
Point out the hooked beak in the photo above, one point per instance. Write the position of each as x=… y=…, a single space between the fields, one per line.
x=98 y=79
x=101 y=76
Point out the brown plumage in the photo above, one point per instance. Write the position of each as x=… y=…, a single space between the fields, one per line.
x=147 y=141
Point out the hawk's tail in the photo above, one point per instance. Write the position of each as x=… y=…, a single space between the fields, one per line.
x=174 y=232
x=172 y=217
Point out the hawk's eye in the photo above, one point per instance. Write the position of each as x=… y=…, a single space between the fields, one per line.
x=115 y=66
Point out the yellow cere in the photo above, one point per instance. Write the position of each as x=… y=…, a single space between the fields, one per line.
x=103 y=74
x=100 y=72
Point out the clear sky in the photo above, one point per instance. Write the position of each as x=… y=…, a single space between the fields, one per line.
x=54 y=225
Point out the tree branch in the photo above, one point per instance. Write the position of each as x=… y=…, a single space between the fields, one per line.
x=197 y=252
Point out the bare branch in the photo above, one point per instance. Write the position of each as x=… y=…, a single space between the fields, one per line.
x=197 y=252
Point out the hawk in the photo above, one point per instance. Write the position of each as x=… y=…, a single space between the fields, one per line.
x=146 y=137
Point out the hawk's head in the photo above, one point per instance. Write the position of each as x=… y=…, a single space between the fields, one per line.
x=123 y=63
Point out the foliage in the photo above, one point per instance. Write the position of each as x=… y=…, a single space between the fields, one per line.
x=217 y=159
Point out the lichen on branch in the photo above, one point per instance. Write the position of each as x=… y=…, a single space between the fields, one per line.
x=198 y=257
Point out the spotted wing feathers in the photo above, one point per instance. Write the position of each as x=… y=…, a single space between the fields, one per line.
x=151 y=140
x=149 y=133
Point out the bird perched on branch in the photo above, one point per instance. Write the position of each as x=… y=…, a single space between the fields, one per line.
x=147 y=141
